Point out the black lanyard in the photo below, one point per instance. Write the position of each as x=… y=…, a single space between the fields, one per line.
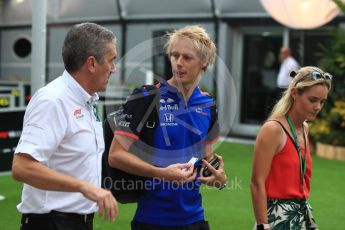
x=302 y=162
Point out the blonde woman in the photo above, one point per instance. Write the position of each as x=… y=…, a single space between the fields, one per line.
x=282 y=164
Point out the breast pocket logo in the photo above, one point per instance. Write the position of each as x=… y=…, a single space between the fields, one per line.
x=200 y=111
x=78 y=114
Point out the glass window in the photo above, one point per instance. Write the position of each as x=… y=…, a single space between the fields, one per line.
x=306 y=45
x=161 y=63
x=259 y=73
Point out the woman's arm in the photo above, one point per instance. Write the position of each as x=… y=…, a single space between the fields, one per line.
x=267 y=144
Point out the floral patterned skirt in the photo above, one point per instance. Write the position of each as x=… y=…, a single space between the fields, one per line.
x=290 y=214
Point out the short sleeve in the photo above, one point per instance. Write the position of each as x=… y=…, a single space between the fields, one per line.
x=131 y=117
x=44 y=128
x=213 y=131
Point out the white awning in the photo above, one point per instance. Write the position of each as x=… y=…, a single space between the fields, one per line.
x=18 y=12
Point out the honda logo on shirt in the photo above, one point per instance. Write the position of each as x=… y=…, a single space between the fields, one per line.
x=168 y=117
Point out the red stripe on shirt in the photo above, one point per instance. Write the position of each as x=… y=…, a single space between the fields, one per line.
x=131 y=135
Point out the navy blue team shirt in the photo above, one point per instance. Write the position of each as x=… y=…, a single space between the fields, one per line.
x=180 y=132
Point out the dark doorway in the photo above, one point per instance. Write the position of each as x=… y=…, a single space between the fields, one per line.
x=161 y=63
x=260 y=69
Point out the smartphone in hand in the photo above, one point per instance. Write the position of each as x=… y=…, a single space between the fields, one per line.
x=215 y=164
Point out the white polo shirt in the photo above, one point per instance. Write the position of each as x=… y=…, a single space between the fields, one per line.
x=289 y=64
x=61 y=131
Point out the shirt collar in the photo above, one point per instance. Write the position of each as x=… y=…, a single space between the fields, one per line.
x=172 y=89
x=169 y=87
x=78 y=91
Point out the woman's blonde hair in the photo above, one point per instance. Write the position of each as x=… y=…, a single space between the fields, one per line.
x=206 y=49
x=302 y=81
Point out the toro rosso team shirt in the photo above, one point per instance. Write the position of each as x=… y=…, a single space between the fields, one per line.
x=181 y=132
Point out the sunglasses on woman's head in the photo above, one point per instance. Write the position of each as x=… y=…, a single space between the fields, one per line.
x=316 y=75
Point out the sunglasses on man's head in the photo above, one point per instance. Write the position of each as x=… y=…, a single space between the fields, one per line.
x=315 y=75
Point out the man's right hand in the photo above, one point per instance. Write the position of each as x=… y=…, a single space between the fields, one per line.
x=179 y=173
x=28 y=170
x=104 y=199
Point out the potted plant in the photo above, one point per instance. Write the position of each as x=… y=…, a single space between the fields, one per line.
x=328 y=132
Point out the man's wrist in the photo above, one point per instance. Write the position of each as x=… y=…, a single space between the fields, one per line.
x=223 y=185
x=156 y=172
